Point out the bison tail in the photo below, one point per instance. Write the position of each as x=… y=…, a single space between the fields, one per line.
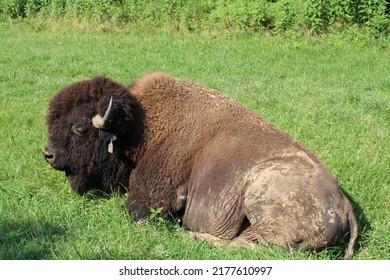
x=353 y=227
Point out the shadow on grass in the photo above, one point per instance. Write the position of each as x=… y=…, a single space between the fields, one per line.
x=28 y=240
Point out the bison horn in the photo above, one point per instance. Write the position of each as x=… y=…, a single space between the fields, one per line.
x=106 y=121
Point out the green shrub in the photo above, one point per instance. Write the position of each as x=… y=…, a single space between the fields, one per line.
x=373 y=15
x=318 y=16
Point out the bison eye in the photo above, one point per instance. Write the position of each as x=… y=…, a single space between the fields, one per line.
x=78 y=130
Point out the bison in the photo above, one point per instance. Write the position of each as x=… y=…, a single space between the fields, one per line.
x=223 y=169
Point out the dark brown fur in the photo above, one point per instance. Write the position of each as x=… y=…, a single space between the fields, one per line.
x=197 y=153
x=81 y=150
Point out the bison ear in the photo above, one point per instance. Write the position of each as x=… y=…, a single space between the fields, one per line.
x=111 y=145
x=107 y=120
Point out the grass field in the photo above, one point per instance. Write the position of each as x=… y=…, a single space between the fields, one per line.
x=332 y=95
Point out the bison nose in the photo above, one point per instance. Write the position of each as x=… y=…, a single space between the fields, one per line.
x=49 y=156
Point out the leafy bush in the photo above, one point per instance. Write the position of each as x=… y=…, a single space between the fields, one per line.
x=374 y=14
x=317 y=16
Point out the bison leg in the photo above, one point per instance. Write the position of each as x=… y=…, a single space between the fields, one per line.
x=138 y=210
x=140 y=207
x=239 y=241
x=207 y=237
x=153 y=185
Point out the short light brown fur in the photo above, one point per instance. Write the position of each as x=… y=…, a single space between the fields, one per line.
x=242 y=174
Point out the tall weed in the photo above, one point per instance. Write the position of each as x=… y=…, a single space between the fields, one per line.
x=316 y=16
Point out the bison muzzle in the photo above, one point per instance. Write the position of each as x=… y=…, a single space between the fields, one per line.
x=219 y=166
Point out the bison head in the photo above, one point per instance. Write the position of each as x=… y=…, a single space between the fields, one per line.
x=90 y=132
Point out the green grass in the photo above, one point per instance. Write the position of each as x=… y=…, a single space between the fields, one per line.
x=332 y=95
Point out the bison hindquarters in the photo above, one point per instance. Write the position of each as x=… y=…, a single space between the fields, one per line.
x=295 y=202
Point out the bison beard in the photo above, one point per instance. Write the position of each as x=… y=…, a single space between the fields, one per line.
x=178 y=145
